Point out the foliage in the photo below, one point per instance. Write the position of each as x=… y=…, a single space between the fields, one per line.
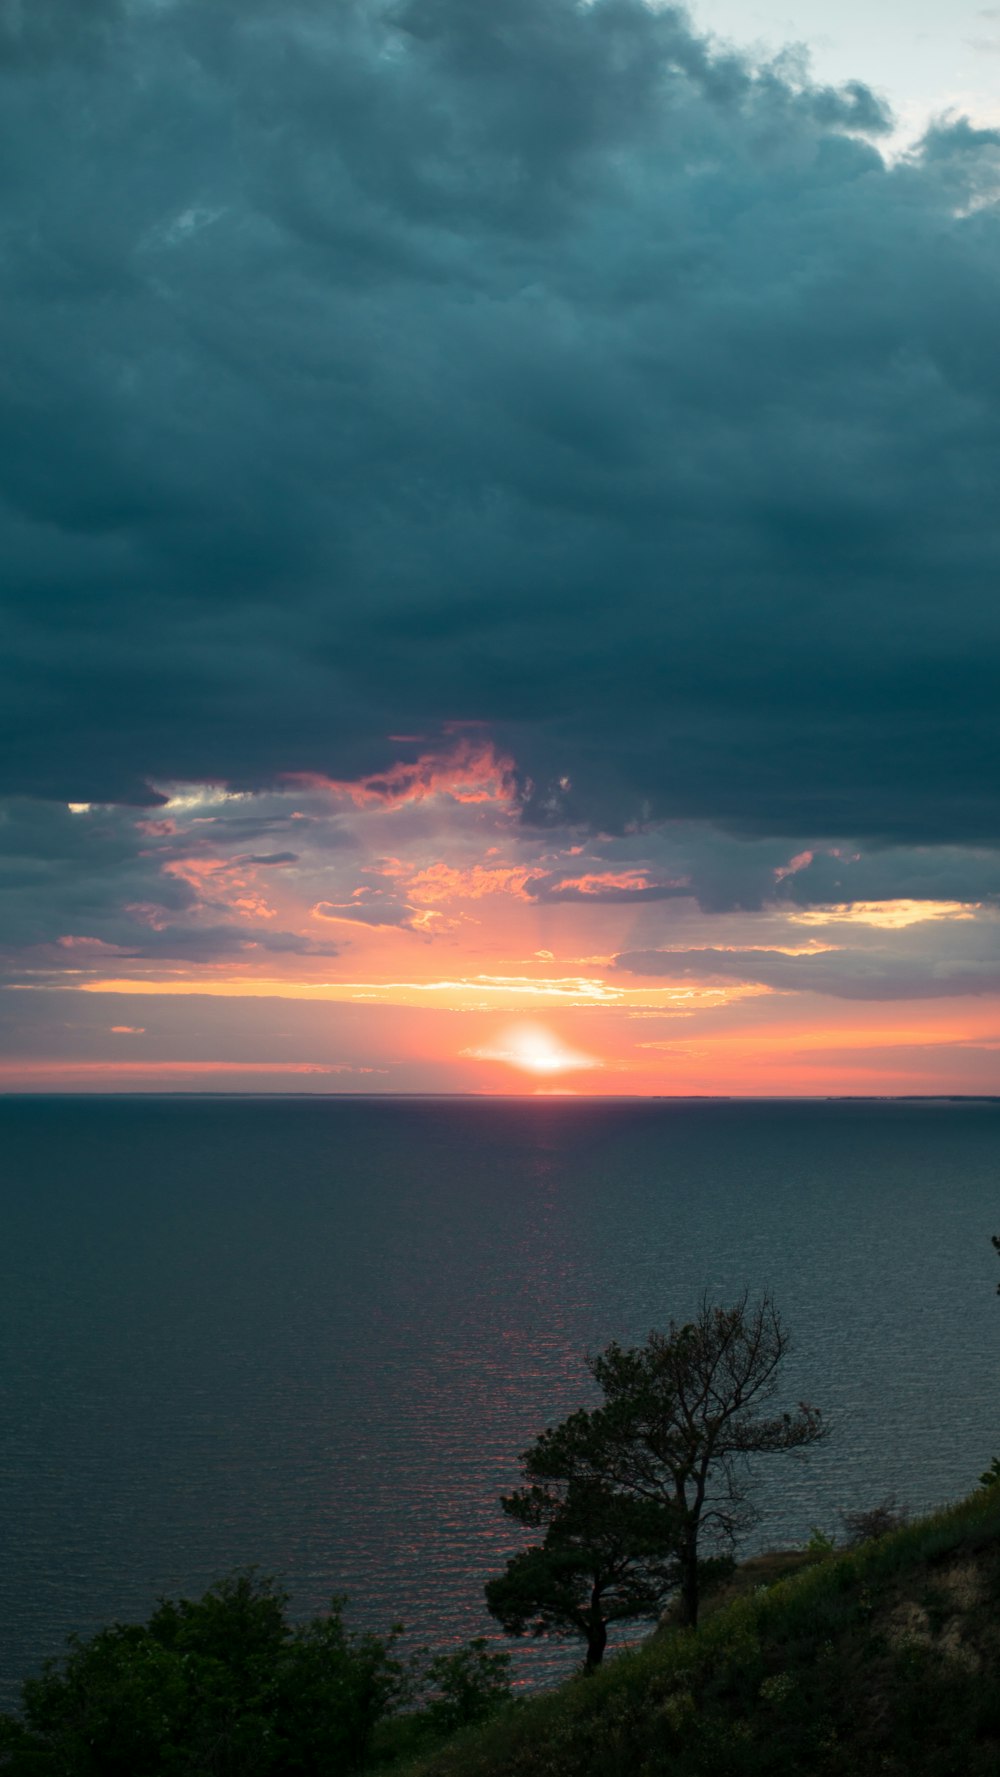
x=196 y=1689
x=839 y=1671
x=627 y=1492
x=224 y=1686
x=991 y=1477
x=878 y=1520
x=690 y=1402
x=605 y=1556
x=339 y=1685
x=467 y=1685
x=820 y=1543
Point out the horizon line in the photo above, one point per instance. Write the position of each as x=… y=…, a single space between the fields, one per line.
x=528 y=1097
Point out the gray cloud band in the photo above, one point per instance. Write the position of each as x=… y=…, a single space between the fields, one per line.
x=377 y=368
x=847 y=975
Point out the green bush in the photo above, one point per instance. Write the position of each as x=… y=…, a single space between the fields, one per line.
x=466 y=1686
x=840 y=1670
x=225 y=1686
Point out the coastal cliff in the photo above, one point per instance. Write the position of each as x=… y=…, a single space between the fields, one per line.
x=883 y=1659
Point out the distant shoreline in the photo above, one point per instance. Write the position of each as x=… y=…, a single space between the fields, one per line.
x=515 y=1097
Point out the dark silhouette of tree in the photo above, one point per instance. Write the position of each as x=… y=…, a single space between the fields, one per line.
x=690 y=1410
x=467 y=1685
x=629 y=1492
x=879 y=1520
x=604 y=1558
x=225 y=1686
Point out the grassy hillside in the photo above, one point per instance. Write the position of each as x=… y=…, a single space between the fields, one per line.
x=884 y=1660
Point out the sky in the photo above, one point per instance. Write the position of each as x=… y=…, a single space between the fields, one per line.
x=925 y=57
x=498 y=505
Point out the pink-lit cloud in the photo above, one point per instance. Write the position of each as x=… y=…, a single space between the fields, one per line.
x=222 y=883
x=611 y=885
x=801 y=861
x=69 y=1070
x=432 y=883
x=471 y=771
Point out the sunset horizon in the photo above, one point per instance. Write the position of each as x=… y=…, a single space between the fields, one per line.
x=425 y=941
x=501 y=567
x=499 y=887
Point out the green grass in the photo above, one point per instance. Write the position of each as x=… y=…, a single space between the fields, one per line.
x=879 y=1662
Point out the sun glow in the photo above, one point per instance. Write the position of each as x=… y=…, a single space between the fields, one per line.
x=891 y=915
x=534 y=1050
x=497 y=993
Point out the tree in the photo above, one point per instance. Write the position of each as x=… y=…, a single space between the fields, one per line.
x=467 y=1685
x=629 y=1491
x=879 y=1520
x=605 y=1558
x=194 y=1690
x=338 y=1686
x=221 y=1686
x=688 y=1410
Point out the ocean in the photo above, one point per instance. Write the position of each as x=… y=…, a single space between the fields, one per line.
x=314 y=1334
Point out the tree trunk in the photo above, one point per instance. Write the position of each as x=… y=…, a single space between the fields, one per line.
x=688 y=1559
x=597 y=1635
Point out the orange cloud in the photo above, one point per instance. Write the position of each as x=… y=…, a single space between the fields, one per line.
x=221 y=882
x=461 y=993
x=96 y=1070
x=889 y=915
x=801 y=861
x=596 y=880
x=473 y=771
x=89 y=946
x=444 y=882
x=526 y=882
x=148 y=913
x=613 y=885
x=162 y=829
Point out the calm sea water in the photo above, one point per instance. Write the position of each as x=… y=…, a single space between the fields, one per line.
x=315 y=1333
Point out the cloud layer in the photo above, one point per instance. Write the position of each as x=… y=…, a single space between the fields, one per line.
x=379 y=367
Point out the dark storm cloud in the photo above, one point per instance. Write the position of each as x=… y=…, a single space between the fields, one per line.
x=854 y=974
x=724 y=874
x=33 y=32
x=87 y=890
x=928 y=874
x=375 y=367
x=203 y=943
x=63 y=875
x=372 y=909
x=729 y=875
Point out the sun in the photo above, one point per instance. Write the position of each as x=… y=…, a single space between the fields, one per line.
x=534 y=1050
x=539 y=1052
